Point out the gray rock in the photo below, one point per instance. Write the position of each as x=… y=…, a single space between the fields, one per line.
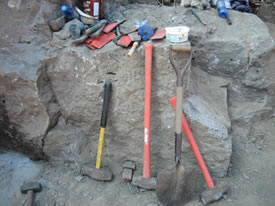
x=79 y=178
x=64 y=142
x=152 y=204
x=206 y=107
x=86 y=194
x=65 y=32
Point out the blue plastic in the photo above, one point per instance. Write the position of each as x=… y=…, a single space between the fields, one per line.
x=145 y=32
x=222 y=10
x=68 y=12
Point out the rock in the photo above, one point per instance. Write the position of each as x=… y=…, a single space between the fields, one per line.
x=65 y=32
x=57 y=24
x=152 y=204
x=64 y=142
x=206 y=107
x=28 y=104
x=79 y=178
x=146 y=183
x=254 y=78
x=86 y=194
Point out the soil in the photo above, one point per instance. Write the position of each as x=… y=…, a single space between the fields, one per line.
x=251 y=179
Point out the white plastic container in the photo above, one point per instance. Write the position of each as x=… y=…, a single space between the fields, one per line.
x=177 y=34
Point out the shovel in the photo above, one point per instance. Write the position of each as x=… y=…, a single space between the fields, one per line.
x=172 y=184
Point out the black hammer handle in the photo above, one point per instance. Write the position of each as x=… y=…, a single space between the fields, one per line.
x=106 y=100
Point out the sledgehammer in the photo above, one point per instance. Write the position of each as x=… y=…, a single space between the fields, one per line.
x=30 y=188
x=146 y=181
x=99 y=173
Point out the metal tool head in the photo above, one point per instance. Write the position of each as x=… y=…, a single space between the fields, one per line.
x=35 y=186
x=102 y=174
x=214 y=194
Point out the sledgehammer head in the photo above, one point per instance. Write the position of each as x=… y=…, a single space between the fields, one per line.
x=214 y=194
x=35 y=186
x=103 y=174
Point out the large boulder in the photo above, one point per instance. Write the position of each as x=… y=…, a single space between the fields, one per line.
x=28 y=105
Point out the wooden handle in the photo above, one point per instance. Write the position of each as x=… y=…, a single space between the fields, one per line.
x=133 y=49
x=181 y=47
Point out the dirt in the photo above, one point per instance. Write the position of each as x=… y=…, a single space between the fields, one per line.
x=251 y=179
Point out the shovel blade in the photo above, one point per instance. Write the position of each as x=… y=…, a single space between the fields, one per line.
x=175 y=186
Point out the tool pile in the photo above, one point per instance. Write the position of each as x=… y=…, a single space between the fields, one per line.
x=95 y=33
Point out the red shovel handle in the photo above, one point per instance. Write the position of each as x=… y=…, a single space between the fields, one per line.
x=194 y=147
x=147 y=110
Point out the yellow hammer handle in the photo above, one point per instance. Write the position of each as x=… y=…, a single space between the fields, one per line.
x=100 y=147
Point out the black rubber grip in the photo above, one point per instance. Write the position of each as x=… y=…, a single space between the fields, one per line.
x=178 y=143
x=228 y=20
x=106 y=101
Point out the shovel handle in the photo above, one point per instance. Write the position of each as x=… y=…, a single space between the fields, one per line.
x=181 y=48
x=180 y=72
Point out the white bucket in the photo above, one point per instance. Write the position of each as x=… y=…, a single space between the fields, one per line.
x=177 y=34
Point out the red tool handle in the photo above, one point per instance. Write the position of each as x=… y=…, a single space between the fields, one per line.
x=147 y=110
x=194 y=147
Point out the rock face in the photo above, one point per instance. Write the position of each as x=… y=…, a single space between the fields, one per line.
x=206 y=106
x=28 y=105
x=231 y=80
x=65 y=143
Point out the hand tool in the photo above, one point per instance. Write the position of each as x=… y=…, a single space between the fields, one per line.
x=146 y=181
x=228 y=20
x=97 y=33
x=89 y=31
x=30 y=188
x=136 y=39
x=98 y=172
x=197 y=16
x=171 y=183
